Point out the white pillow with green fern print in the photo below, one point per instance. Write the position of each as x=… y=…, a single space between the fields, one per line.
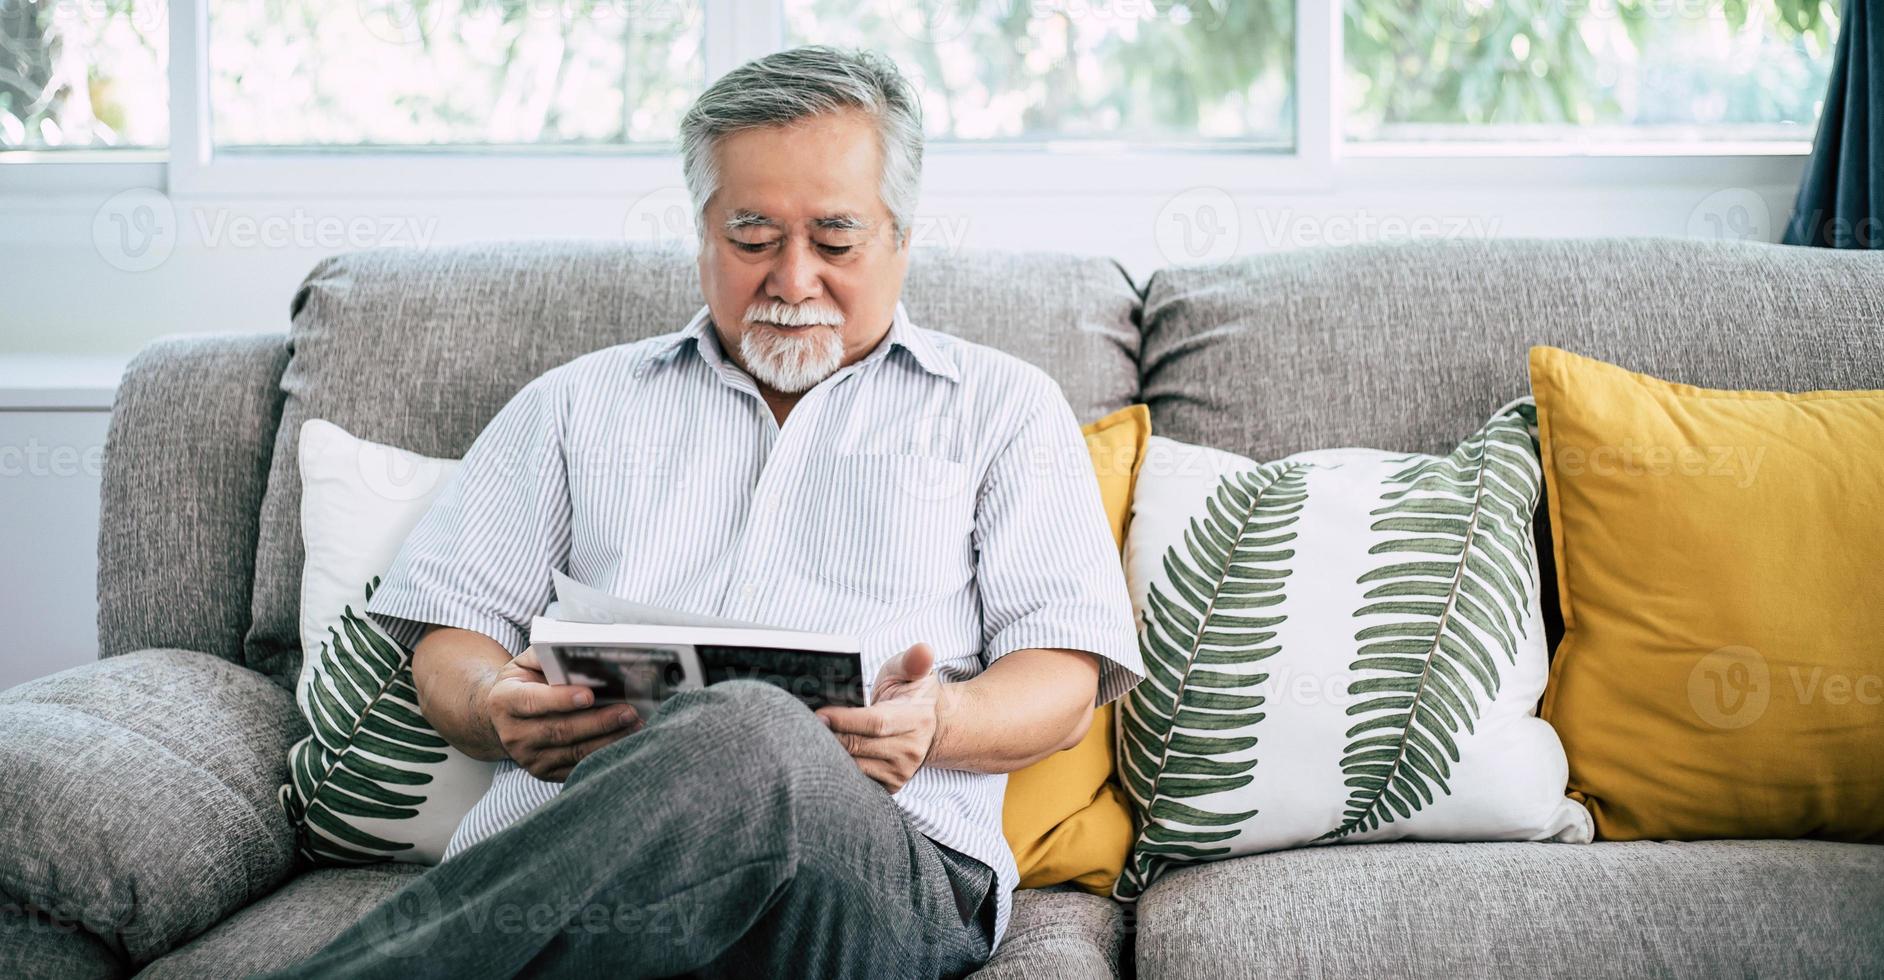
x=374 y=782
x=1340 y=646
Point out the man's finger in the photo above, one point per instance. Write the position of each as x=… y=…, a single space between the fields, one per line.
x=527 y=659
x=575 y=727
x=890 y=750
x=868 y=722
x=912 y=664
x=532 y=700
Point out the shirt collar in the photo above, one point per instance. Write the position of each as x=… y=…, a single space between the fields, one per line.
x=902 y=333
x=920 y=345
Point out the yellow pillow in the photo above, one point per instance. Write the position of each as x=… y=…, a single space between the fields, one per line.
x=1064 y=816
x=1720 y=560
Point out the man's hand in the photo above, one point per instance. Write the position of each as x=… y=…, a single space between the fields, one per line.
x=891 y=738
x=548 y=728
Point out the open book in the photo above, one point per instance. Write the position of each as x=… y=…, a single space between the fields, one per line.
x=641 y=655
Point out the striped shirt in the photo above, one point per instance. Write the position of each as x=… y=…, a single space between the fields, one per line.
x=934 y=491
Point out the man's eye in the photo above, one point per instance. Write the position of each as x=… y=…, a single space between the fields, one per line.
x=751 y=246
x=837 y=249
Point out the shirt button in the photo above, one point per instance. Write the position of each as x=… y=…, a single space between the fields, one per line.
x=749 y=589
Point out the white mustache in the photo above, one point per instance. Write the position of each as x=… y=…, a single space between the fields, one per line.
x=802 y=315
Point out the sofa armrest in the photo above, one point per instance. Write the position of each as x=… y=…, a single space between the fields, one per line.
x=186 y=463
x=138 y=800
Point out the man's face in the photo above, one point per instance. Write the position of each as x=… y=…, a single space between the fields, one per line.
x=799 y=260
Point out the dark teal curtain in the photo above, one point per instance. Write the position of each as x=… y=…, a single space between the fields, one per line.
x=1841 y=202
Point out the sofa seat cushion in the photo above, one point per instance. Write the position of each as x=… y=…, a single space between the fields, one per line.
x=1058 y=934
x=1712 y=908
x=1055 y=932
x=138 y=799
x=35 y=946
x=288 y=925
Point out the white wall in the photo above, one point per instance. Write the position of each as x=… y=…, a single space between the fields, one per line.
x=49 y=523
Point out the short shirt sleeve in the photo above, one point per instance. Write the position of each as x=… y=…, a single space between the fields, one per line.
x=1047 y=567
x=480 y=558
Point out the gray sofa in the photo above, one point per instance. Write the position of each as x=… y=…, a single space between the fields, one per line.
x=139 y=829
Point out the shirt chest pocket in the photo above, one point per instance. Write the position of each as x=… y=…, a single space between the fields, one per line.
x=891 y=526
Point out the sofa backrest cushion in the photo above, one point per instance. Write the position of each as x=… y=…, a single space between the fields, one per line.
x=1411 y=347
x=420 y=348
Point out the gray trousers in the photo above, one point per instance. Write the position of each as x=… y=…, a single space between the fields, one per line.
x=732 y=837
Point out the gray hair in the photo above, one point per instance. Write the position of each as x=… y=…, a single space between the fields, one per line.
x=787 y=86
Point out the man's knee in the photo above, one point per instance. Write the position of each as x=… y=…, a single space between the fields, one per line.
x=752 y=751
x=757 y=697
x=751 y=723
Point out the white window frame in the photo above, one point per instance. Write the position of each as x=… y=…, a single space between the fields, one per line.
x=738 y=30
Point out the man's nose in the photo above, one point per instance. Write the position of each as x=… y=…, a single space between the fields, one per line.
x=794 y=277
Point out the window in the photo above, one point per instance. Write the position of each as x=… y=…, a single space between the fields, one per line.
x=1147 y=71
x=1590 y=69
x=287 y=73
x=1273 y=84
x=83 y=74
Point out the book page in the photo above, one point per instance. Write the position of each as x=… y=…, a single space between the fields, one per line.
x=579 y=603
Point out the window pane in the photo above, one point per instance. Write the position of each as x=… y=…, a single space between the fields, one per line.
x=452 y=72
x=1146 y=70
x=83 y=74
x=1587 y=69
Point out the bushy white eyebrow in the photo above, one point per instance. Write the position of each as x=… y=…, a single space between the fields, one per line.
x=743 y=218
x=842 y=222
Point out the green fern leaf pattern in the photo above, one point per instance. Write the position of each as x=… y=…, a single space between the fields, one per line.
x=1527 y=411
x=368 y=737
x=1183 y=732
x=1450 y=604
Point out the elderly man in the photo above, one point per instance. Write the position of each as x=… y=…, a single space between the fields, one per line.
x=800 y=454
